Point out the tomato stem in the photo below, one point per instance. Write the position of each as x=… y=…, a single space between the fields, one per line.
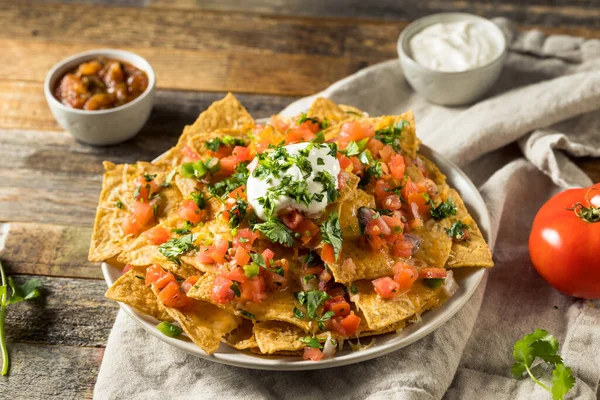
x=588 y=214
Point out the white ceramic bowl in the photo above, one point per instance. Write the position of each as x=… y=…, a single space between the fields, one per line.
x=468 y=280
x=101 y=127
x=451 y=88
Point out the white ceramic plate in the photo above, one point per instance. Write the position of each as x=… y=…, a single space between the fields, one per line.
x=468 y=280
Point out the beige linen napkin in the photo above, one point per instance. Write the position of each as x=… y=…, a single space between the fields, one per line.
x=514 y=146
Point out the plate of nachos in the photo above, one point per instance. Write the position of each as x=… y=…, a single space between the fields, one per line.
x=292 y=243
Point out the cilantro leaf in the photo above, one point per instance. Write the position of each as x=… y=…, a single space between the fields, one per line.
x=324 y=318
x=276 y=231
x=314 y=299
x=29 y=290
x=119 y=204
x=175 y=247
x=328 y=182
x=238 y=212
x=442 y=210
x=458 y=231
x=247 y=314
x=186 y=228
x=392 y=134
x=298 y=313
x=258 y=259
x=149 y=177
x=351 y=150
x=311 y=342
x=235 y=287
x=169 y=178
x=562 y=381
x=331 y=233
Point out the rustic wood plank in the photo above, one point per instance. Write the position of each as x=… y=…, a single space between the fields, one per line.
x=44 y=249
x=70 y=312
x=42 y=372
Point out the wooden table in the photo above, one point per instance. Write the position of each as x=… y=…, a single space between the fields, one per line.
x=270 y=52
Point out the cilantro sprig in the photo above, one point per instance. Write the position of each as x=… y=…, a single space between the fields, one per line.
x=331 y=232
x=276 y=231
x=392 y=134
x=442 y=210
x=29 y=290
x=543 y=346
x=227 y=140
x=175 y=247
x=458 y=231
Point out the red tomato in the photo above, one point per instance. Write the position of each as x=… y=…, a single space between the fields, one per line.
x=432 y=273
x=402 y=248
x=350 y=324
x=268 y=255
x=158 y=235
x=241 y=257
x=238 y=193
x=228 y=165
x=189 y=153
x=221 y=290
x=164 y=280
x=405 y=275
x=393 y=222
x=312 y=354
x=428 y=186
x=244 y=238
x=392 y=202
x=382 y=189
x=409 y=188
x=344 y=161
x=241 y=153
x=217 y=252
x=189 y=283
x=153 y=272
x=141 y=214
x=302 y=133
x=189 y=211
x=307 y=229
x=386 y=287
x=387 y=153
x=357 y=167
x=173 y=296
x=338 y=305
x=202 y=255
x=356 y=131
x=253 y=290
x=328 y=254
x=292 y=219
x=146 y=188
x=397 y=167
x=421 y=203
x=564 y=242
x=376 y=242
x=374 y=146
x=237 y=274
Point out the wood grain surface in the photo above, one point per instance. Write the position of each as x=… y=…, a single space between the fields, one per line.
x=269 y=52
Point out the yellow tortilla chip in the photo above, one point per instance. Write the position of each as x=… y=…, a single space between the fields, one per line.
x=276 y=336
x=242 y=338
x=436 y=245
x=409 y=141
x=353 y=111
x=348 y=213
x=473 y=252
x=227 y=113
x=131 y=289
x=433 y=172
x=278 y=306
x=323 y=108
x=380 y=313
x=357 y=262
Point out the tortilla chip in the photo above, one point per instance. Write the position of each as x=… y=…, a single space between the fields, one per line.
x=355 y=263
x=323 y=108
x=227 y=113
x=353 y=111
x=131 y=289
x=348 y=213
x=279 y=306
x=433 y=172
x=473 y=252
x=242 y=338
x=409 y=141
x=276 y=336
x=436 y=245
x=380 y=313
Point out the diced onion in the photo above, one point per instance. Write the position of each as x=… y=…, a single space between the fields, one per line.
x=329 y=347
x=450 y=285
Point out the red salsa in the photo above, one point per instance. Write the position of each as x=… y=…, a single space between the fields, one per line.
x=101 y=84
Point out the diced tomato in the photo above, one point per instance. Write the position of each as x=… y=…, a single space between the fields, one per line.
x=432 y=273
x=339 y=306
x=350 y=324
x=421 y=202
x=314 y=127
x=374 y=146
x=328 y=254
x=173 y=296
x=357 y=167
x=158 y=235
x=189 y=153
x=428 y=186
x=153 y=273
x=415 y=223
x=344 y=161
x=409 y=188
x=253 y=289
x=131 y=226
x=145 y=189
x=376 y=242
x=292 y=219
x=239 y=193
x=141 y=214
x=377 y=227
x=237 y=274
x=393 y=222
x=392 y=202
x=356 y=131
x=268 y=255
x=221 y=290
x=386 y=287
x=382 y=189
x=402 y=248
x=228 y=165
x=126 y=269
x=241 y=153
x=189 y=283
x=302 y=133
x=217 y=252
x=397 y=167
x=202 y=255
x=405 y=275
x=189 y=211
x=164 y=280
x=310 y=353
x=307 y=229
x=421 y=165
x=386 y=153
x=244 y=238
x=279 y=124
x=241 y=257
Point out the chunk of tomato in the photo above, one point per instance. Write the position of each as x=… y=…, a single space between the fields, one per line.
x=292 y=219
x=432 y=273
x=339 y=306
x=386 y=287
x=310 y=353
x=158 y=235
x=241 y=257
x=307 y=229
x=241 y=153
x=397 y=167
x=190 y=154
x=228 y=165
x=189 y=283
x=153 y=273
x=173 y=296
x=350 y=324
x=189 y=211
x=244 y=238
x=405 y=275
x=328 y=254
x=221 y=290
x=402 y=248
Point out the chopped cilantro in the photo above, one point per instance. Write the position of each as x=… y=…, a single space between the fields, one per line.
x=149 y=177
x=184 y=229
x=227 y=140
x=258 y=259
x=175 y=247
x=457 y=231
x=198 y=198
x=320 y=161
x=298 y=313
x=223 y=188
x=331 y=233
x=353 y=289
x=325 y=317
x=247 y=314
x=328 y=183
x=392 y=134
x=169 y=178
x=276 y=232
x=308 y=278
x=311 y=342
x=238 y=212
x=442 y=210
x=352 y=149
x=312 y=300
x=119 y=204
x=235 y=287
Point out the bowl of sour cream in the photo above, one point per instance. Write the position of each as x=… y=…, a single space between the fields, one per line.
x=452 y=58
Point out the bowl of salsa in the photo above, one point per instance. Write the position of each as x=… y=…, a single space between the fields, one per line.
x=101 y=97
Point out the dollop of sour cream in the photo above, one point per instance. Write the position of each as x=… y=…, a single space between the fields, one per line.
x=320 y=160
x=454 y=46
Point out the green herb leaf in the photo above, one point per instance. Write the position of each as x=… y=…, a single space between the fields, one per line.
x=184 y=229
x=175 y=247
x=276 y=231
x=392 y=134
x=298 y=313
x=119 y=204
x=308 y=278
x=29 y=290
x=251 y=270
x=324 y=318
x=169 y=178
x=258 y=259
x=353 y=289
x=314 y=299
x=329 y=185
x=458 y=231
x=236 y=289
x=311 y=342
x=331 y=233
x=351 y=150
x=247 y=314
x=442 y=210
x=149 y=178
x=562 y=381
x=169 y=329
x=433 y=283
x=198 y=198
